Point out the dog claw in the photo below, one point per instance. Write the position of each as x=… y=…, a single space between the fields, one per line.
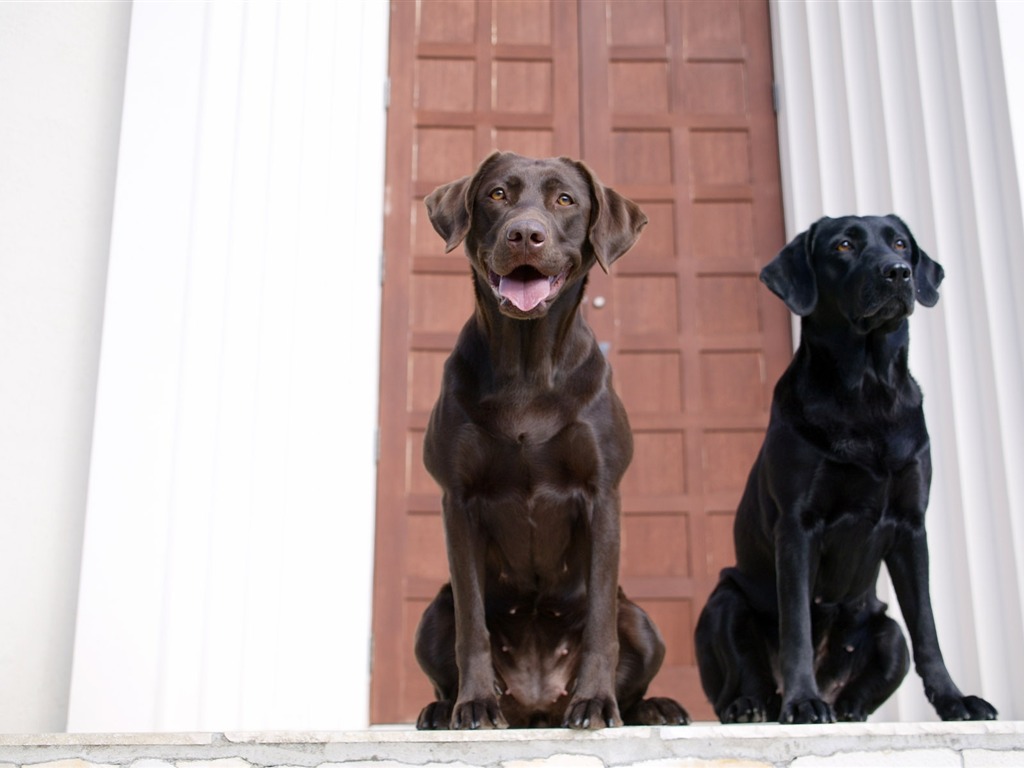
x=812 y=710
x=436 y=716
x=657 y=710
x=745 y=710
x=593 y=714
x=478 y=714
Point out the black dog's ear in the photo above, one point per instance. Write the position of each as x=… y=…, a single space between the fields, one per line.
x=450 y=206
x=615 y=221
x=928 y=274
x=790 y=275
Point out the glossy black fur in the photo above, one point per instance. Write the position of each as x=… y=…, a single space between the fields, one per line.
x=794 y=631
x=528 y=442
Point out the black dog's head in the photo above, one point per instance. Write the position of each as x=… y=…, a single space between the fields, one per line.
x=533 y=227
x=869 y=270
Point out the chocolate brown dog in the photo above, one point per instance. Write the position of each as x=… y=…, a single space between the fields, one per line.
x=795 y=631
x=528 y=442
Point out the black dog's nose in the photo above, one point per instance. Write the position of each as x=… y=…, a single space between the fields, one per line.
x=528 y=233
x=896 y=271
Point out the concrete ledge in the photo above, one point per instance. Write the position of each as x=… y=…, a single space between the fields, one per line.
x=906 y=745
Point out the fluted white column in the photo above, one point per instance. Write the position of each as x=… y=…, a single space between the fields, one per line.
x=226 y=578
x=907 y=108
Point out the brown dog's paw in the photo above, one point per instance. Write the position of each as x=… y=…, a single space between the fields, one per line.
x=656 y=710
x=592 y=714
x=964 y=708
x=478 y=713
x=435 y=716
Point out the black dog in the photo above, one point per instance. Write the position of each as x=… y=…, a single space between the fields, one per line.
x=840 y=486
x=528 y=442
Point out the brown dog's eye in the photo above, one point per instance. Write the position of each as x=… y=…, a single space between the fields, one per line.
x=900 y=244
x=498 y=194
x=844 y=246
x=564 y=199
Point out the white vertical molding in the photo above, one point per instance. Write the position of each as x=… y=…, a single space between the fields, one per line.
x=867 y=136
x=993 y=187
x=1007 y=21
x=831 y=106
x=945 y=47
x=912 y=114
x=798 y=148
x=228 y=576
x=128 y=509
x=960 y=441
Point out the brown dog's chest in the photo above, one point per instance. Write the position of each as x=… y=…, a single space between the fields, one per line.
x=534 y=501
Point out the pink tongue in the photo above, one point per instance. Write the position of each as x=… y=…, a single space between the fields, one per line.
x=525 y=294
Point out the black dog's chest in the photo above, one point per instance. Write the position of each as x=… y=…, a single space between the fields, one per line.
x=858 y=515
x=850 y=501
x=851 y=550
x=879 y=451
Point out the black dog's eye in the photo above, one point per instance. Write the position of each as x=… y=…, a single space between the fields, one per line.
x=564 y=199
x=900 y=244
x=844 y=246
x=497 y=194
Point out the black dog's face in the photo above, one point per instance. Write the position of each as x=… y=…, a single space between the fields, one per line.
x=528 y=230
x=863 y=266
x=533 y=227
x=867 y=271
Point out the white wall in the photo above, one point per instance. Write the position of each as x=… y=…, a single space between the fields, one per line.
x=906 y=108
x=226 y=577
x=61 y=82
x=227 y=554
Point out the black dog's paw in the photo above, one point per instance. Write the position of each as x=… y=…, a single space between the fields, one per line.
x=850 y=712
x=809 y=710
x=478 y=713
x=964 y=708
x=592 y=714
x=435 y=716
x=656 y=710
x=745 y=709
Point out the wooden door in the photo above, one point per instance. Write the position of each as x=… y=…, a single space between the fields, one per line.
x=670 y=102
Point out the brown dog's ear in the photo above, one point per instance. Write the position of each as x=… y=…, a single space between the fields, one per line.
x=448 y=210
x=928 y=274
x=790 y=275
x=450 y=206
x=615 y=221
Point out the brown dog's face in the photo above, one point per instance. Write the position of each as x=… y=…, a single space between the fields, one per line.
x=532 y=227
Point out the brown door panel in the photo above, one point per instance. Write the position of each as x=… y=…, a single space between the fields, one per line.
x=670 y=103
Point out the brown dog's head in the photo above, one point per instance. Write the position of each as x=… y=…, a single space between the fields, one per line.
x=868 y=270
x=533 y=227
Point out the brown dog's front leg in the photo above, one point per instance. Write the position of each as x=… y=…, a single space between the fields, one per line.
x=593 y=704
x=477 y=704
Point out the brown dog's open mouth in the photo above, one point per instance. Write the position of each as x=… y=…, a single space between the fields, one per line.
x=526 y=287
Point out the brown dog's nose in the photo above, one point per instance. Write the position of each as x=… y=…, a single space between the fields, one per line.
x=896 y=271
x=528 y=234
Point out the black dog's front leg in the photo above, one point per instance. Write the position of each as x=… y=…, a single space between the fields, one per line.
x=477 y=702
x=796 y=565
x=593 y=703
x=908 y=567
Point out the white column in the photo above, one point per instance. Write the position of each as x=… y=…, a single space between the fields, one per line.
x=227 y=569
x=912 y=115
